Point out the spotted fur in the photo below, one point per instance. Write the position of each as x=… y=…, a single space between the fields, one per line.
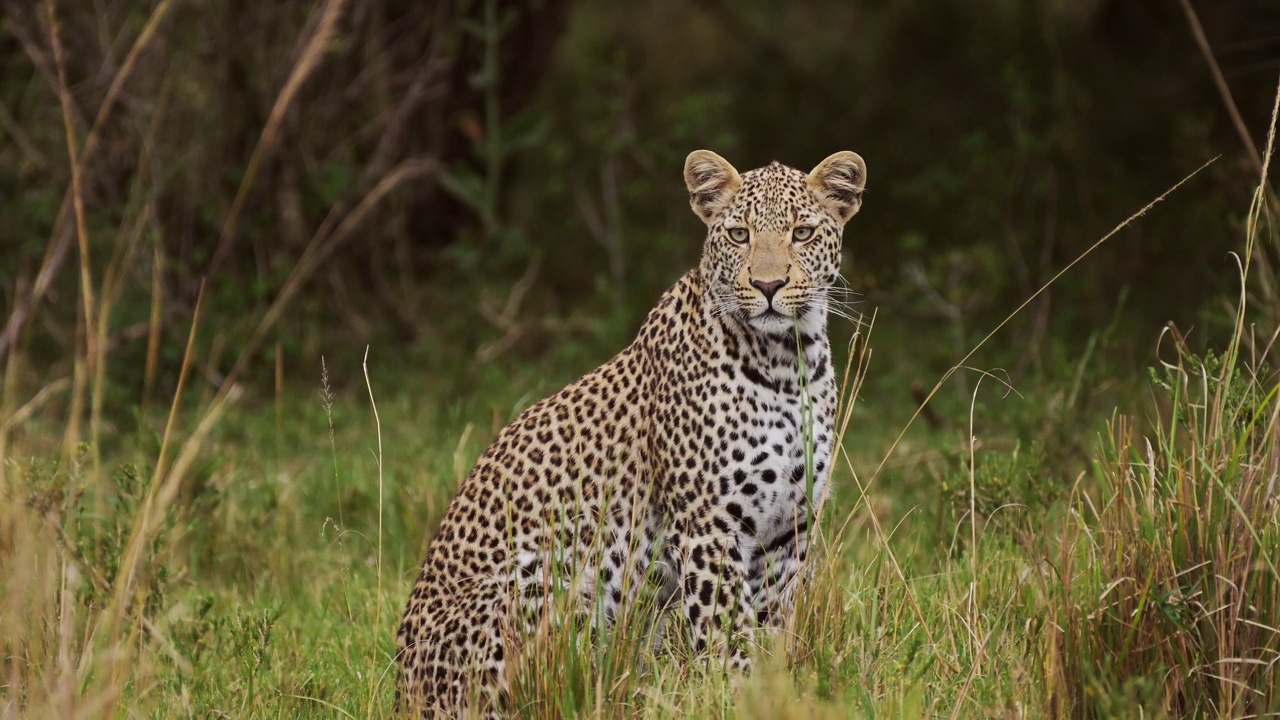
x=683 y=457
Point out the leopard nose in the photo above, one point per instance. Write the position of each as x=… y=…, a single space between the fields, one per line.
x=769 y=287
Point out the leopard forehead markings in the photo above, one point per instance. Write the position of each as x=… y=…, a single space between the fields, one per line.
x=696 y=454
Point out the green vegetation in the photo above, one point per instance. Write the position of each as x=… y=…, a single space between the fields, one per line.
x=264 y=577
x=303 y=271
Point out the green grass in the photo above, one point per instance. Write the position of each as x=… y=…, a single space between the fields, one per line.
x=1078 y=589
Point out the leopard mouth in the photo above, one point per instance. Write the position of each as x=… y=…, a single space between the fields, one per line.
x=771 y=319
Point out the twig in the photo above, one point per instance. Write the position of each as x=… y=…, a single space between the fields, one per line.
x=21 y=139
x=507 y=319
x=166 y=480
x=83 y=370
x=322 y=244
x=1221 y=82
x=325 y=32
x=23 y=413
x=60 y=241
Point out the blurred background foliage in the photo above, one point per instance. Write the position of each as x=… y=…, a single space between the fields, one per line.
x=519 y=163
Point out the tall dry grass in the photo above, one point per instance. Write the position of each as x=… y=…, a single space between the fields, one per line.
x=1167 y=589
x=79 y=631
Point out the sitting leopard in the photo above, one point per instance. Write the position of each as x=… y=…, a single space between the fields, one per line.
x=696 y=452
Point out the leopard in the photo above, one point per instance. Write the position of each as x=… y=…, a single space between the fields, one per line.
x=695 y=456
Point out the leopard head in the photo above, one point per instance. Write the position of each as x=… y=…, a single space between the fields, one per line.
x=772 y=254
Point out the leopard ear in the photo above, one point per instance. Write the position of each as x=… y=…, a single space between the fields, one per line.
x=712 y=183
x=838 y=182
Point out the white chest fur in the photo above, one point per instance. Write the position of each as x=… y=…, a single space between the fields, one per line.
x=778 y=451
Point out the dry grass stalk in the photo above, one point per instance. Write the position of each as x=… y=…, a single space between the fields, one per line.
x=1173 y=584
x=1228 y=101
x=59 y=244
x=84 y=362
x=377 y=421
x=326 y=31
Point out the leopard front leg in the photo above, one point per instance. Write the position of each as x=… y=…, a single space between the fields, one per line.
x=776 y=570
x=716 y=597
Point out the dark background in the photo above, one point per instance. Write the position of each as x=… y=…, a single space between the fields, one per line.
x=521 y=165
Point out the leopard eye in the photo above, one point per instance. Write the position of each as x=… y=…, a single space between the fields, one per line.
x=739 y=235
x=804 y=233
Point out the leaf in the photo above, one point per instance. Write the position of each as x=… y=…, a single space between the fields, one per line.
x=523 y=131
x=466 y=186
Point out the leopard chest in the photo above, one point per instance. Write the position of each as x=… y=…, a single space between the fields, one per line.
x=776 y=451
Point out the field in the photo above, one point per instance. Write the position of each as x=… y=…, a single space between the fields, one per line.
x=1039 y=554
x=216 y=487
